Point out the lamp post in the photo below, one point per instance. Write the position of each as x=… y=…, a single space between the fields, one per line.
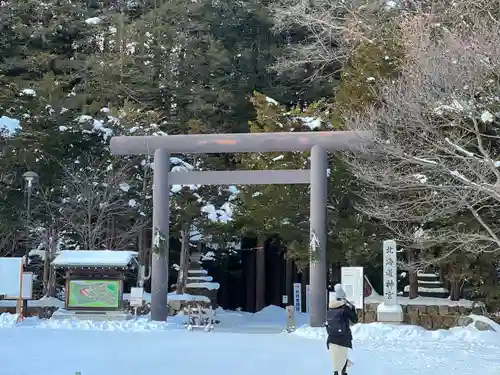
x=29 y=178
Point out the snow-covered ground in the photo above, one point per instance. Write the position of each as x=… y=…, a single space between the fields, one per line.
x=142 y=347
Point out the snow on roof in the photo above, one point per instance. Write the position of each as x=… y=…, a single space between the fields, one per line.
x=86 y=258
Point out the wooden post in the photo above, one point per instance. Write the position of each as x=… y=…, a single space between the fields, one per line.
x=20 y=299
x=290 y=319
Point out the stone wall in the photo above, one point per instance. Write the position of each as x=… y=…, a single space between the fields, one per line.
x=428 y=317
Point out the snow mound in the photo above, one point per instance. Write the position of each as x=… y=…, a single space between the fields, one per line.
x=141 y=324
x=8 y=320
x=407 y=333
x=483 y=323
x=136 y=325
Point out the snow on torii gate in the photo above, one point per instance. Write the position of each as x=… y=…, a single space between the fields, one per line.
x=317 y=142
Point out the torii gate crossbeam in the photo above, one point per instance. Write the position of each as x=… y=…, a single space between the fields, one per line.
x=316 y=142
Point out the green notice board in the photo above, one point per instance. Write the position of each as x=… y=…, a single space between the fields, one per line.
x=94 y=293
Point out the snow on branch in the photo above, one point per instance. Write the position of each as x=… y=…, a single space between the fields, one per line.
x=93 y=205
x=436 y=148
x=332 y=26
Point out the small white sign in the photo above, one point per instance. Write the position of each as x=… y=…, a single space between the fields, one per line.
x=284 y=299
x=27 y=292
x=390 y=272
x=352 y=280
x=136 y=297
x=297 y=297
x=10 y=276
x=308 y=298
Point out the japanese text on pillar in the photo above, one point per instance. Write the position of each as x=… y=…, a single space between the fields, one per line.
x=390 y=272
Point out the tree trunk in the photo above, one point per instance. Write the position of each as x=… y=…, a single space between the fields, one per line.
x=46 y=271
x=413 y=279
x=51 y=290
x=49 y=249
x=260 y=282
x=250 y=263
x=455 y=289
x=184 y=261
x=412 y=276
x=289 y=279
x=304 y=282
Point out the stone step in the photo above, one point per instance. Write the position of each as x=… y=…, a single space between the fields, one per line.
x=428 y=277
x=430 y=285
x=430 y=294
x=437 y=292
x=197 y=272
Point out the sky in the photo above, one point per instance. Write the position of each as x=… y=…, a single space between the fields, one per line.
x=9 y=123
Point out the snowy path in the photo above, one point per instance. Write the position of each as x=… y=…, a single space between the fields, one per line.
x=162 y=352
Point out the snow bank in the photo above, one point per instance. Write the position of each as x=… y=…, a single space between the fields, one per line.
x=271 y=317
x=137 y=325
x=277 y=316
x=485 y=320
x=8 y=320
x=407 y=333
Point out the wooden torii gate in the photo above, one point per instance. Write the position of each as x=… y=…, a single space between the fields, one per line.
x=319 y=143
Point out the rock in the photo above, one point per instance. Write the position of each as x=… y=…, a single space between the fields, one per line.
x=449 y=321
x=444 y=310
x=464 y=310
x=437 y=321
x=414 y=319
x=371 y=307
x=426 y=321
x=433 y=310
x=406 y=318
x=370 y=317
x=422 y=309
x=453 y=309
x=483 y=326
x=464 y=321
x=477 y=309
x=412 y=309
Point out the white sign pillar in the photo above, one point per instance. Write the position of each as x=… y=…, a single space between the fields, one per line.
x=390 y=311
x=297 y=297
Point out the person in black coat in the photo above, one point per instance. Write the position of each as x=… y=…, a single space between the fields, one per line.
x=339 y=316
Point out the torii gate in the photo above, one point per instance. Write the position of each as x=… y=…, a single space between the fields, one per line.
x=317 y=142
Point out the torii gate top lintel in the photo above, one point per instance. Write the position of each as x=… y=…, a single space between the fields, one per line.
x=239 y=142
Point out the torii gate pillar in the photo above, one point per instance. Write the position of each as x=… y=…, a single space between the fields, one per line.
x=161 y=223
x=318 y=237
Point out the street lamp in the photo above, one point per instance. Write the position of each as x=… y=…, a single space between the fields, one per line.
x=29 y=178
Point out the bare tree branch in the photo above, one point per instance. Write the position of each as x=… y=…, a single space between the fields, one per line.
x=95 y=208
x=436 y=147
